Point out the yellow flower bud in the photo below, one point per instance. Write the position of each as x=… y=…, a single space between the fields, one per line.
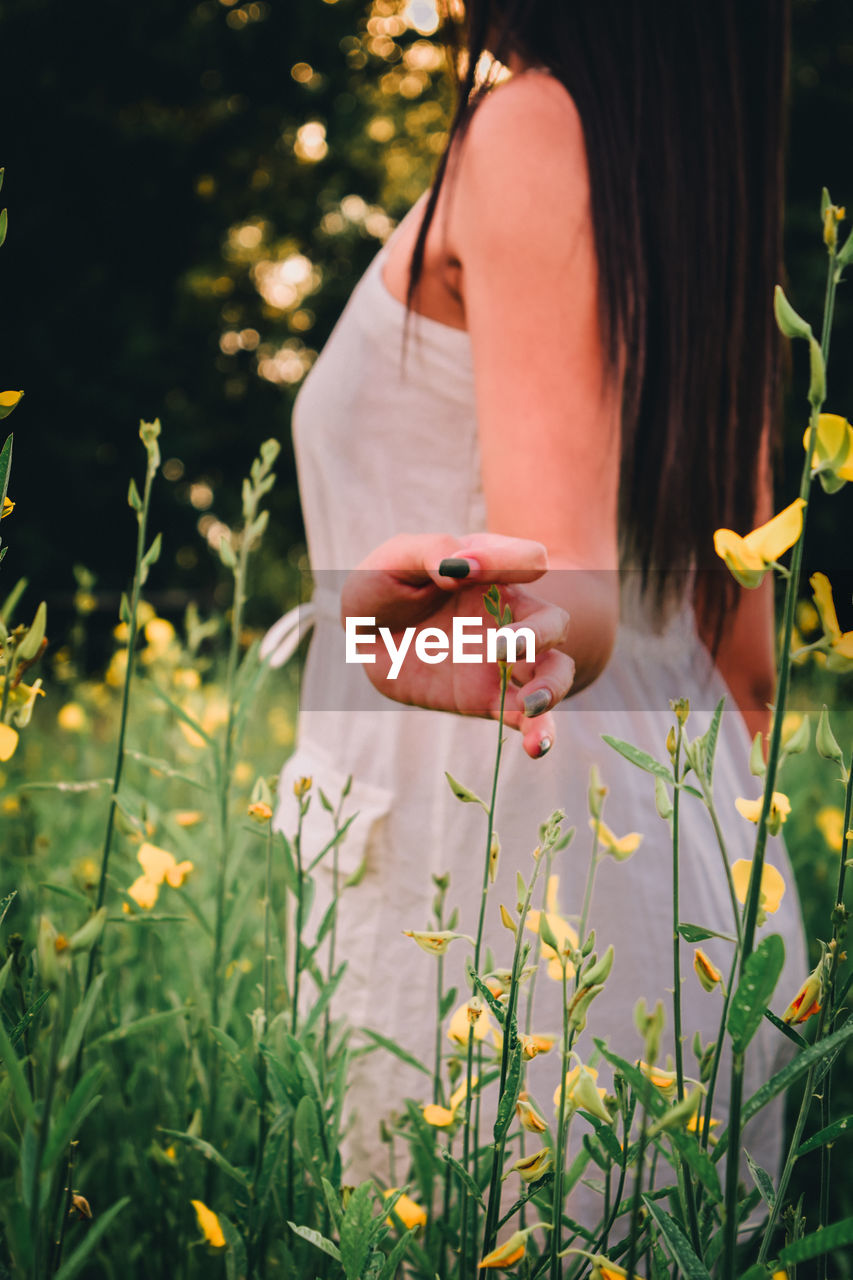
x=707 y=973
x=301 y=787
x=209 y=1225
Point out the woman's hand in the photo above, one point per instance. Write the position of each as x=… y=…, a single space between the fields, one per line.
x=427 y=580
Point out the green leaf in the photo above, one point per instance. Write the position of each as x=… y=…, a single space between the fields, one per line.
x=355 y=1230
x=826 y=1136
x=83 y=1100
x=396 y=1256
x=640 y=758
x=762 y=1180
x=26 y=1020
x=79 y=1022
x=333 y=1203
x=824 y=1049
x=496 y=1007
x=697 y=1158
x=28 y=648
x=210 y=1153
x=180 y=713
x=4 y=225
x=758 y=982
x=236 y=1059
x=383 y=1043
x=306 y=1132
x=692 y=1268
x=5 y=464
x=463 y=1175
x=711 y=739
x=162 y=767
x=314 y=1237
x=791 y=324
x=235 y=1257
x=698 y=933
x=5 y=904
x=75 y=1261
x=506 y=1107
x=462 y=793
x=133 y=499
x=818 y=1243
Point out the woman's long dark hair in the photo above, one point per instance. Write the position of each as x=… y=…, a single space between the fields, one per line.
x=682 y=106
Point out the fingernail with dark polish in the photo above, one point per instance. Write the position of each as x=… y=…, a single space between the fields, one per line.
x=454 y=568
x=501 y=648
x=544 y=747
x=536 y=703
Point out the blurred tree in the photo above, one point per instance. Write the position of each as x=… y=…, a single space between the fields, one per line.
x=194 y=188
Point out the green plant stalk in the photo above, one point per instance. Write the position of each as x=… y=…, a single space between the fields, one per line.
x=8 y=669
x=136 y=592
x=590 y=882
x=333 y=932
x=562 y=1136
x=493 y=1206
x=718 y=1050
x=224 y=780
x=636 y=1202
x=754 y=891
x=256 y=1231
x=297 y=946
x=685 y=1181
x=59 y=1242
x=42 y=1129
x=466 y=1143
x=724 y=854
x=824 y=1017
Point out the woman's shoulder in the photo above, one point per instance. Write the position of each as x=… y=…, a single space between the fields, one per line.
x=524 y=145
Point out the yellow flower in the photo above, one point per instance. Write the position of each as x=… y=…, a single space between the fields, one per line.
x=780 y=807
x=260 y=811
x=436 y=943
x=696 y=1123
x=508 y=1253
x=807 y=1000
x=301 y=787
x=532 y=1046
x=603 y=1269
x=840 y=655
x=529 y=1117
x=8 y=508
x=830 y=822
x=772 y=887
x=832 y=460
x=565 y=935
x=186 y=678
x=209 y=1225
x=8 y=741
x=72 y=718
x=159 y=865
x=8 y=400
x=531 y=1168
x=144 y=892
x=666 y=1082
x=187 y=817
x=619 y=847
x=160 y=635
x=462 y=1025
x=441 y=1117
x=573 y=1078
x=707 y=973
x=410 y=1214
x=749 y=558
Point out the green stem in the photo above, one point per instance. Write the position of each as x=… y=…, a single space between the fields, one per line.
x=42 y=1128
x=562 y=1125
x=824 y=1019
x=754 y=891
x=478 y=944
x=297 y=946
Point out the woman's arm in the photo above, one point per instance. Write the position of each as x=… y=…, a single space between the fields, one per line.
x=519 y=222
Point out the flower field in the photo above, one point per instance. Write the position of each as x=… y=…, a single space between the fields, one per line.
x=174 y=1070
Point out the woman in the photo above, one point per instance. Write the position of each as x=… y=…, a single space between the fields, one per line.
x=564 y=358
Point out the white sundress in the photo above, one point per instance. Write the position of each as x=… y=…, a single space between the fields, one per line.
x=383 y=449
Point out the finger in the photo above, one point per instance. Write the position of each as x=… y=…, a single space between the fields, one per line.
x=551 y=682
x=539 y=626
x=491 y=557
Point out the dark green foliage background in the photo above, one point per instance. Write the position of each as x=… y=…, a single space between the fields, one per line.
x=111 y=116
